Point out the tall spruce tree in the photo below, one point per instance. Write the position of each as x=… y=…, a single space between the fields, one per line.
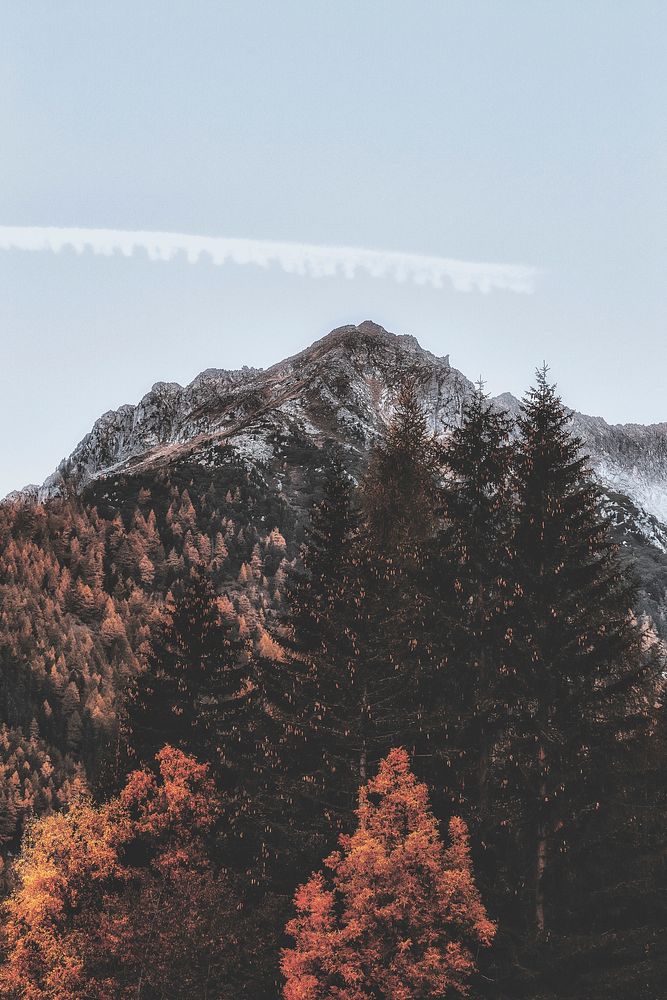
x=318 y=635
x=354 y=633
x=401 y=507
x=617 y=902
x=578 y=662
x=401 y=486
x=208 y=693
x=193 y=689
x=469 y=570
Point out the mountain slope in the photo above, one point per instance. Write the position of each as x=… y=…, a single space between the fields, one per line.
x=339 y=389
x=339 y=392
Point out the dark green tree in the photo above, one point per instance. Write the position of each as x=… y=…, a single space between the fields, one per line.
x=8 y=818
x=355 y=624
x=194 y=687
x=578 y=665
x=208 y=693
x=400 y=514
x=469 y=571
x=617 y=901
x=400 y=489
x=315 y=683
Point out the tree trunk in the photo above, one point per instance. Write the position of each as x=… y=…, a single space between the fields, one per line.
x=541 y=849
x=363 y=753
x=484 y=752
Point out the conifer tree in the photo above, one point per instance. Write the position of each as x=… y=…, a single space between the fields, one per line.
x=469 y=568
x=400 y=501
x=356 y=609
x=8 y=818
x=194 y=685
x=207 y=693
x=400 y=488
x=397 y=914
x=577 y=654
x=617 y=899
x=315 y=683
x=353 y=630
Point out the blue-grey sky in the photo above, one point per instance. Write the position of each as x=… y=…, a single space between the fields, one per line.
x=521 y=132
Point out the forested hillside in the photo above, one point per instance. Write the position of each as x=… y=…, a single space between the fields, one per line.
x=425 y=655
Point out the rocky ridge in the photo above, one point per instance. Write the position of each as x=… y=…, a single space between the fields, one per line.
x=340 y=392
x=342 y=389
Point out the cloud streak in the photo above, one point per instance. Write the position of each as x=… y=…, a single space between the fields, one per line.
x=294 y=258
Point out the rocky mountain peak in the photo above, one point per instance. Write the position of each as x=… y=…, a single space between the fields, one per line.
x=340 y=390
x=366 y=341
x=343 y=388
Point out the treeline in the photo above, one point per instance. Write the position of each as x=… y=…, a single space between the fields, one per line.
x=464 y=602
x=129 y=899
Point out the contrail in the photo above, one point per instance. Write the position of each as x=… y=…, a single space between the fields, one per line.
x=294 y=258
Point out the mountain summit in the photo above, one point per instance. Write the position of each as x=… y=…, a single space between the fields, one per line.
x=339 y=390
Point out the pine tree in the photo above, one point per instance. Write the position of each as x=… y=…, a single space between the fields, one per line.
x=400 y=488
x=194 y=685
x=401 y=511
x=8 y=817
x=578 y=661
x=397 y=914
x=315 y=684
x=205 y=692
x=468 y=591
x=347 y=686
x=617 y=902
x=354 y=628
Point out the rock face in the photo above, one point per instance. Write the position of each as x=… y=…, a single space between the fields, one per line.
x=630 y=458
x=341 y=391
x=342 y=388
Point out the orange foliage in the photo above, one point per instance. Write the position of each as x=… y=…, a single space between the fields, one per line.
x=121 y=900
x=82 y=595
x=397 y=915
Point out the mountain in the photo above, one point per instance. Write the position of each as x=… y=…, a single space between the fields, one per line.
x=339 y=389
x=219 y=475
x=340 y=392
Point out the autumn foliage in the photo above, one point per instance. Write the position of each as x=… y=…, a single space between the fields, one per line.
x=121 y=900
x=85 y=590
x=461 y=597
x=396 y=915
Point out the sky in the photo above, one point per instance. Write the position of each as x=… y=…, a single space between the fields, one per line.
x=524 y=134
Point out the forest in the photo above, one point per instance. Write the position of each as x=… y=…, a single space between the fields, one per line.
x=413 y=748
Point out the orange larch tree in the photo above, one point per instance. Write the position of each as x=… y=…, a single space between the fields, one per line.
x=397 y=915
x=125 y=899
